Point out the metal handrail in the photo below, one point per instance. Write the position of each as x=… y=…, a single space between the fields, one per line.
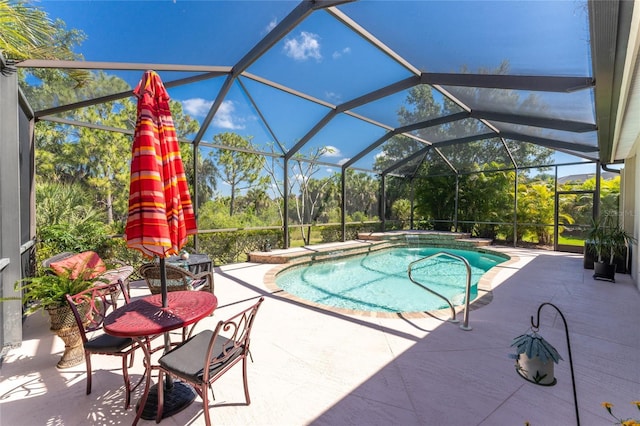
x=465 y=324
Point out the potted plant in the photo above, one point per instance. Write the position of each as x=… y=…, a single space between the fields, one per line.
x=535 y=358
x=48 y=292
x=608 y=241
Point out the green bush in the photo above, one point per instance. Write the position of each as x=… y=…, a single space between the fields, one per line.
x=232 y=247
x=67 y=220
x=333 y=233
x=49 y=290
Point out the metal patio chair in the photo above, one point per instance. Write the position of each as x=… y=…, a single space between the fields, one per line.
x=79 y=261
x=90 y=307
x=205 y=357
x=177 y=278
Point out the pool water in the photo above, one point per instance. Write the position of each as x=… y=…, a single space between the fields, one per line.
x=378 y=281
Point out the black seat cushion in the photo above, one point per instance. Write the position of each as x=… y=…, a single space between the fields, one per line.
x=108 y=344
x=187 y=360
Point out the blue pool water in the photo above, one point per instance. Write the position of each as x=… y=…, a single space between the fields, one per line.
x=379 y=282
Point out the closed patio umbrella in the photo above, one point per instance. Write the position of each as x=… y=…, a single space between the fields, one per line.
x=161 y=216
x=160 y=212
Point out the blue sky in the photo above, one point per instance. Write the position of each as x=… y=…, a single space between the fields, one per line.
x=324 y=59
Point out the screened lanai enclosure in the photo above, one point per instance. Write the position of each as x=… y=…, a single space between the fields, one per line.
x=428 y=118
x=309 y=121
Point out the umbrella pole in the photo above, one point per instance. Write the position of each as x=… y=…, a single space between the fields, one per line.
x=163 y=282
x=165 y=304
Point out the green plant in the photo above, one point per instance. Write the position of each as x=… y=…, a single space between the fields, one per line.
x=619 y=421
x=608 y=239
x=532 y=344
x=49 y=290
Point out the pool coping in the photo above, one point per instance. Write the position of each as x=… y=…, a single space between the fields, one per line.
x=368 y=241
x=486 y=284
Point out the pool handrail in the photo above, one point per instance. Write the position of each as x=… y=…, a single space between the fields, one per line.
x=465 y=324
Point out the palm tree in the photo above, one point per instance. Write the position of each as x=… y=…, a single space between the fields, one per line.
x=28 y=33
x=26 y=30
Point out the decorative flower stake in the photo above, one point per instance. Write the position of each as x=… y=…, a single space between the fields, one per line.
x=623 y=422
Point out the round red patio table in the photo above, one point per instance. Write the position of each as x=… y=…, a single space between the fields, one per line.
x=146 y=317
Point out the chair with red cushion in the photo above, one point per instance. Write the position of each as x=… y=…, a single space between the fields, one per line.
x=90 y=265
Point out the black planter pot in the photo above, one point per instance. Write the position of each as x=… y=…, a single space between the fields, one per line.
x=623 y=262
x=604 y=271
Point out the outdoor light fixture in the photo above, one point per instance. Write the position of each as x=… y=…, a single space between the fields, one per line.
x=535 y=357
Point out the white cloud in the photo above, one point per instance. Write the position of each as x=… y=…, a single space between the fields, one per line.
x=333 y=97
x=197 y=107
x=331 y=151
x=344 y=160
x=225 y=119
x=305 y=46
x=271 y=25
x=338 y=53
x=300 y=177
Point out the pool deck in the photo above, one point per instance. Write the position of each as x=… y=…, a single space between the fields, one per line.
x=320 y=367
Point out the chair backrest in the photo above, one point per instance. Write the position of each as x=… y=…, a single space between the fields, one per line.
x=231 y=339
x=91 y=306
x=60 y=256
x=177 y=278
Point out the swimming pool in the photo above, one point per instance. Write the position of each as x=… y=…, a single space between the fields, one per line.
x=378 y=281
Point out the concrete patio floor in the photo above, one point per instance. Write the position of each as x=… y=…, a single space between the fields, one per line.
x=317 y=367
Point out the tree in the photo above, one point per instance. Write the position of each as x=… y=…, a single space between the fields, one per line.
x=398 y=148
x=580 y=206
x=258 y=199
x=101 y=158
x=401 y=209
x=26 y=30
x=609 y=195
x=28 y=33
x=273 y=168
x=235 y=167
x=362 y=194
x=536 y=209
x=207 y=173
x=96 y=159
x=485 y=196
x=435 y=200
x=421 y=105
x=317 y=199
x=66 y=220
x=396 y=188
x=309 y=190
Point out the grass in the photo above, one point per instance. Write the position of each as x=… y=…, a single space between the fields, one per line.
x=570 y=241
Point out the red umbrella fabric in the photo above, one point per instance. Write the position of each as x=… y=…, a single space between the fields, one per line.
x=160 y=211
